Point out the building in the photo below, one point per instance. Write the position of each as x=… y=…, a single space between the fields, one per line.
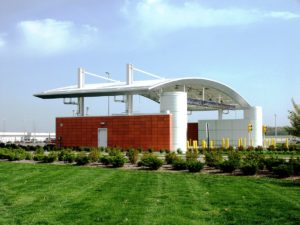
x=166 y=129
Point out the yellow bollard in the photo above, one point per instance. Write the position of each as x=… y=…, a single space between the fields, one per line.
x=195 y=144
x=240 y=142
x=273 y=142
x=227 y=143
x=188 y=144
x=223 y=143
x=287 y=143
x=204 y=144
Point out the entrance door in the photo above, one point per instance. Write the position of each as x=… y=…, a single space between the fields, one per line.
x=102 y=137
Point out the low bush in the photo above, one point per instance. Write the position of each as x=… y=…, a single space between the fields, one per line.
x=194 y=166
x=94 y=155
x=179 y=164
x=133 y=155
x=295 y=163
x=105 y=160
x=191 y=154
x=170 y=157
x=15 y=155
x=271 y=148
x=249 y=168
x=259 y=148
x=51 y=157
x=273 y=162
x=117 y=161
x=28 y=156
x=250 y=148
x=213 y=158
x=241 y=148
x=82 y=159
x=179 y=151
x=69 y=157
x=3 y=153
x=228 y=166
x=150 y=161
x=38 y=157
x=283 y=170
x=255 y=158
x=234 y=157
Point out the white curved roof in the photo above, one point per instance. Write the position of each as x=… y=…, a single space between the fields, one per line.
x=216 y=95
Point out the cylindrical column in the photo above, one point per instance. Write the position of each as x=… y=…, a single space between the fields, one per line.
x=254 y=116
x=80 y=106
x=176 y=104
x=129 y=98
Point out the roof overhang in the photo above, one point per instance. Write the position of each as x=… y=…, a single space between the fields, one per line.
x=216 y=95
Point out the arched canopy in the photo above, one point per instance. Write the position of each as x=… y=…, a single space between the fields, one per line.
x=203 y=94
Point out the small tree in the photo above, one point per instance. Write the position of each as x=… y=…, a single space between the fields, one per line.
x=294 y=117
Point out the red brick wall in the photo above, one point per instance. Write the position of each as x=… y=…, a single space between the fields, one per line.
x=145 y=131
x=192 y=133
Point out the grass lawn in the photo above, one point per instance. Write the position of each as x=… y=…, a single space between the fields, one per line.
x=52 y=194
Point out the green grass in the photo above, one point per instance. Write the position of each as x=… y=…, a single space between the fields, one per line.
x=49 y=194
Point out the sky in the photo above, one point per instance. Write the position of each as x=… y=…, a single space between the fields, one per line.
x=253 y=46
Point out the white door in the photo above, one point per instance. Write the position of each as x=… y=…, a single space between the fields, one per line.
x=102 y=137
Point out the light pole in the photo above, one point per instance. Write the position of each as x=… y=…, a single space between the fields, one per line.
x=275 y=116
x=108 y=76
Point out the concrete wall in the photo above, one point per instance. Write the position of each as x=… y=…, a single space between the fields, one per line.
x=234 y=128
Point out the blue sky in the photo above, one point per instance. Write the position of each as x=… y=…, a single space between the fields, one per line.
x=251 y=45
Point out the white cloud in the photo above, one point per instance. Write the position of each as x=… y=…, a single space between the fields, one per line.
x=159 y=16
x=2 y=41
x=50 y=36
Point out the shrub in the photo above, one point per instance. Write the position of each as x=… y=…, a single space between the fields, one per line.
x=150 y=150
x=179 y=164
x=213 y=159
x=255 y=158
x=179 y=151
x=82 y=159
x=259 y=148
x=194 y=166
x=105 y=159
x=133 y=155
x=118 y=160
x=191 y=154
x=151 y=161
x=249 y=168
x=51 y=157
x=28 y=156
x=38 y=151
x=241 y=148
x=94 y=155
x=38 y=157
x=250 y=148
x=16 y=154
x=3 y=153
x=273 y=162
x=271 y=148
x=69 y=157
x=170 y=157
x=228 y=166
x=235 y=158
x=295 y=163
x=114 y=152
x=283 y=170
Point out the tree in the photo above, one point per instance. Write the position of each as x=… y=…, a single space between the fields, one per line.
x=294 y=117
